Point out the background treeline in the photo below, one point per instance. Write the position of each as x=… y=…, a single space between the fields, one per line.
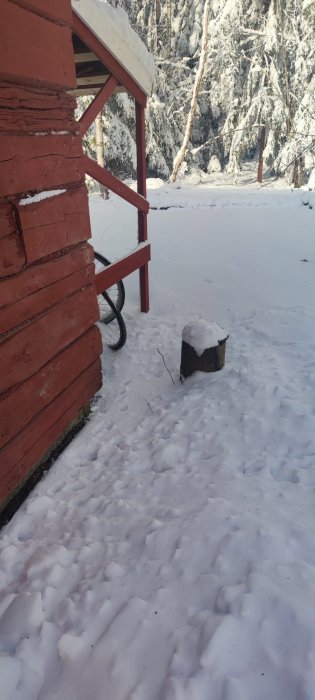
x=241 y=72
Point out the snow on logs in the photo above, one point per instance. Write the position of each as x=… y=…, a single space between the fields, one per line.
x=203 y=348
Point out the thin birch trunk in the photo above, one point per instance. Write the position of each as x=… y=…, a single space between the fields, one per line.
x=100 y=157
x=193 y=105
x=169 y=29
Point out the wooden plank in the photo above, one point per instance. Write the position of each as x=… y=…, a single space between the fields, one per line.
x=21 y=454
x=40 y=242
x=16 y=410
x=108 y=60
x=81 y=92
x=23 y=353
x=32 y=49
x=122 y=268
x=54 y=209
x=13 y=450
x=12 y=254
x=114 y=184
x=85 y=57
x=59 y=11
x=35 y=163
x=7 y=221
x=98 y=103
x=26 y=109
x=43 y=299
x=92 y=80
x=43 y=274
x=54 y=223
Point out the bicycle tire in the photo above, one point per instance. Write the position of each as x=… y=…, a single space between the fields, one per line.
x=116 y=292
x=115 y=331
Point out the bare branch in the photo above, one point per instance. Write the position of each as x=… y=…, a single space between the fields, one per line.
x=165 y=365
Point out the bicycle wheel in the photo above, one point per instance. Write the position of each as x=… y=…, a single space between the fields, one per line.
x=115 y=331
x=116 y=292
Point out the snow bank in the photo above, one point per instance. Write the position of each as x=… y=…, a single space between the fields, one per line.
x=111 y=26
x=201 y=335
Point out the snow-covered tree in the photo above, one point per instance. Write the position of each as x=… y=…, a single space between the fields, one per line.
x=257 y=96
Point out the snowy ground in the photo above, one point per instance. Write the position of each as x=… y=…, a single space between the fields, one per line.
x=169 y=553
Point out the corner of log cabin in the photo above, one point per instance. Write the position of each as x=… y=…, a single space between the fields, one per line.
x=49 y=344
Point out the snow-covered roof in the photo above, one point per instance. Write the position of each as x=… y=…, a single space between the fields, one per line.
x=111 y=27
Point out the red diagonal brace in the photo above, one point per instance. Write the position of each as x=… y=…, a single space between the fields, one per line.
x=95 y=107
x=114 y=184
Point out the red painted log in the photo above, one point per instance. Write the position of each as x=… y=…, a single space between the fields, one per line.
x=54 y=209
x=23 y=353
x=7 y=221
x=16 y=409
x=11 y=317
x=98 y=103
x=40 y=242
x=39 y=276
x=21 y=454
x=26 y=109
x=12 y=255
x=59 y=11
x=114 y=184
x=108 y=60
x=54 y=223
x=35 y=163
x=26 y=47
x=122 y=268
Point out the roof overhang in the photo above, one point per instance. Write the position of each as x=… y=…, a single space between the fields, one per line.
x=111 y=28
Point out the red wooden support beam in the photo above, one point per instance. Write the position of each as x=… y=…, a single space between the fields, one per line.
x=95 y=107
x=107 y=59
x=122 y=268
x=140 y=137
x=114 y=184
x=142 y=190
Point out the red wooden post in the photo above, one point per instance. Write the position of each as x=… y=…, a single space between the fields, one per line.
x=142 y=216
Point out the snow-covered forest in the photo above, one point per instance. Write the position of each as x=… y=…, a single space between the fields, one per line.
x=234 y=82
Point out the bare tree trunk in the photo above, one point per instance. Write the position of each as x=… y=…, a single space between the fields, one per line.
x=154 y=21
x=157 y=12
x=262 y=140
x=296 y=179
x=169 y=29
x=285 y=69
x=168 y=69
x=100 y=157
x=193 y=105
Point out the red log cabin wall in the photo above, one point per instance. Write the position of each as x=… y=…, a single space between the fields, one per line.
x=49 y=344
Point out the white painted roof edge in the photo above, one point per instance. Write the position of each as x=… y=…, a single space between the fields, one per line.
x=111 y=26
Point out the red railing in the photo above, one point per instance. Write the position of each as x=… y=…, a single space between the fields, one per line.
x=140 y=257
